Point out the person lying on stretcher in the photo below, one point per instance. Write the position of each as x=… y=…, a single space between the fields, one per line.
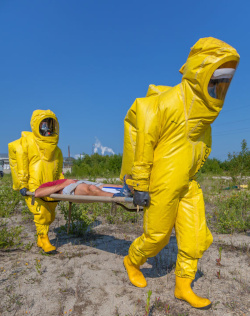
x=82 y=187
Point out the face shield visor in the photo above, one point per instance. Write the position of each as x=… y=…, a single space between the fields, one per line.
x=220 y=81
x=48 y=127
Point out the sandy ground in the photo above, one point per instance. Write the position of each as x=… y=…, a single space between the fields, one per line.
x=87 y=277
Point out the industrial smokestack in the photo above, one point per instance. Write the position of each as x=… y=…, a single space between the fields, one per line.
x=68 y=151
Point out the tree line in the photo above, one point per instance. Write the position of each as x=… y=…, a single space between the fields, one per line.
x=109 y=166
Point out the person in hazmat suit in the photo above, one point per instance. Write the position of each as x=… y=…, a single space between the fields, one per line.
x=35 y=158
x=166 y=141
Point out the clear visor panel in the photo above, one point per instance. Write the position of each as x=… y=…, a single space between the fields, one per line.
x=48 y=127
x=217 y=87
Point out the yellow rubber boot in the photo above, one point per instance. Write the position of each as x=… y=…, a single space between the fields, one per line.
x=44 y=243
x=39 y=242
x=134 y=273
x=184 y=292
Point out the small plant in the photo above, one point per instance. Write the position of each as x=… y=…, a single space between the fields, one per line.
x=9 y=199
x=69 y=275
x=81 y=219
x=41 y=252
x=26 y=214
x=28 y=246
x=219 y=260
x=147 y=307
x=167 y=309
x=38 y=266
x=218 y=274
x=9 y=237
x=232 y=213
x=161 y=306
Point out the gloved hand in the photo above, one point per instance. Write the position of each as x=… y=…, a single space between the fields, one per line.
x=141 y=198
x=23 y=191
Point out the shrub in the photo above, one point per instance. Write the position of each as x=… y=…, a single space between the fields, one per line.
x=9 y=237
x=232 y=213
x=239 y=163
x=212 y=166
x=80 y=218
x=9 y=199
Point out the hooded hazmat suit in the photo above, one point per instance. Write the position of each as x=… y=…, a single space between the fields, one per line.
x=36 y=159
x=167 y=139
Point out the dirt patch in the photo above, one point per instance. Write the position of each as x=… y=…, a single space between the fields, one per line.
x=87 y=277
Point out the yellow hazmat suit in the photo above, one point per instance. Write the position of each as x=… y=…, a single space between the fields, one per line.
x=167 y=139
x=36 y=159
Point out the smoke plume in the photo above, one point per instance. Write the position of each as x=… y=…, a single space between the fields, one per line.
x=97 y=145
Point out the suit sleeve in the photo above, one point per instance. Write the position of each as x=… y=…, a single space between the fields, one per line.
x=148 y=131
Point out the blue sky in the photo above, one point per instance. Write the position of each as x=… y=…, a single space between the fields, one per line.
x=87 y=61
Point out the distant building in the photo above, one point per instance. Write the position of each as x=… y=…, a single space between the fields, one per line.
x=6 y=163
x=67 y=164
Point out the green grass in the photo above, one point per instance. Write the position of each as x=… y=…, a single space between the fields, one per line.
x=9 y=237
x=232 y=213
x=83 y=215
x=9 y=199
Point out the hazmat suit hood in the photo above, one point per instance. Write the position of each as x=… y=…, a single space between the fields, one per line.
x=206 y=56
x=46 y=144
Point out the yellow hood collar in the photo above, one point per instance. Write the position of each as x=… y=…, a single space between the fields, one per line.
x=47 y=144
x=154 y=90
x=205 y=57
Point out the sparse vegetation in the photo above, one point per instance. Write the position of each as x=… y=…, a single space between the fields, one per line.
x=82 y=263
x=81 y=219
x=232 y=213
x=9 y=237
x=9 y=199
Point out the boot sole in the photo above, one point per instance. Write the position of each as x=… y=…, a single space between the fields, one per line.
x=202 y=308
x=52 y=252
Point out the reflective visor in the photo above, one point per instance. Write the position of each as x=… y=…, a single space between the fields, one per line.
x=48 y=127
x=220 y=81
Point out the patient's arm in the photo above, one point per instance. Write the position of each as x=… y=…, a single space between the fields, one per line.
x=46 y=191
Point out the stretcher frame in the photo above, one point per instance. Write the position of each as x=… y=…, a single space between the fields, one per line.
x=115 y=201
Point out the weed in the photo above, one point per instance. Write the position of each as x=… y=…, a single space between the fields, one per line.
x=232 y=213
x=80 y=218
x=218 y=274
x=14 y=302
x=110 y=219
x=33 y=281
x=219 y=259
x=38 y=266
x=9 y=237
x=26 y=214
x=45 y=253
x=29 y=245
x=9 y=199
x=215 y=304
x=161 y=306
x=147 y=307
x=83 y=216
x=69 y=275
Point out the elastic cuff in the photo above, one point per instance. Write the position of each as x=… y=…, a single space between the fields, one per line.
x=138 y=185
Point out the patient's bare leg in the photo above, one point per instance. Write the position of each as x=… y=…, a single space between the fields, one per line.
x=90 y=189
